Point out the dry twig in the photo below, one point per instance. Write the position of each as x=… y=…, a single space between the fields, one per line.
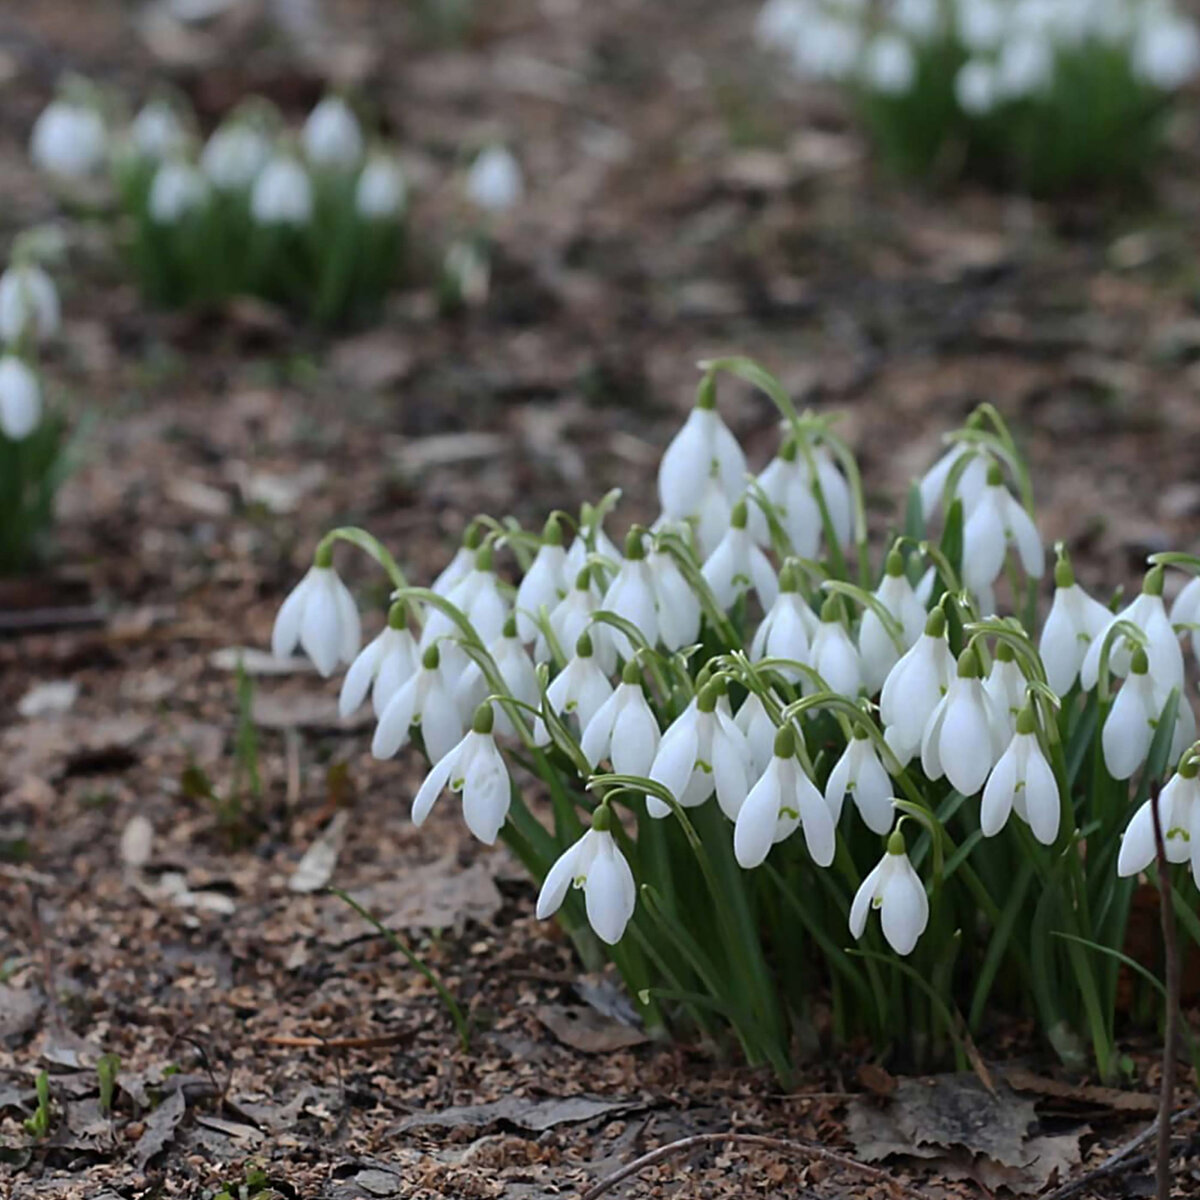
x=1119 y=1160
x=345 y=1043
x=783 y=1145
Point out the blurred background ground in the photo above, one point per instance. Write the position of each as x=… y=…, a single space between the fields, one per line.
x=683 y=201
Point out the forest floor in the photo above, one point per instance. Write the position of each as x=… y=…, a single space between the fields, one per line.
x=684 y=201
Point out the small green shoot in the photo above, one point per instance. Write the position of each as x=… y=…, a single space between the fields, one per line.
x=38 y=1125
x=107 y=1068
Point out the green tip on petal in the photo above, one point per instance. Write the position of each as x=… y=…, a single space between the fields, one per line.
x=740 y=514
x=484 y=719
x=1152 y=585
x=706 y=701
x=483 y=557
x=635 y=547
x=432 y=658
x=552 y=531
x=323 y=555
x=1064 y=574
x=1189 y=768
x=583 y=581
x=1027 y=720
x=787 y=578
x=860 y=733
x=583 y=647
x=398 y=615
x=995 y=474
x=706 y=393
x=785 y=742
x=894 y=565
x=510 y=626
x=976 y=420
x=632 y=672
x=602 y=819
x=1139 y=664
x=831 y=610
x=895 y=843
x=473 y=537
x=790 y=450
x=935 y=626
x=968 y=664
x=1005 y=653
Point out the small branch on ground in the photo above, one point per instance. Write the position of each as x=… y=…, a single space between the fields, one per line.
x=346 y=1043
x=1162 y=1169
x=782 y=1145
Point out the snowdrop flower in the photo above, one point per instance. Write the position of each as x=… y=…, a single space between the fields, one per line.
x=631 y=597
x=860 y=773
x=981 y=25
x=1022 y=781
x=780 y=23
x=516 y=671
x=1186 y=611
x=234 y=155
x=624 y=729
x=381 y=193
x=319 y=616
x=701 y=752
x=591 y=539
x=1007 y=687
x=1166 y=51
x=426 y=700
x=68 y=140
x=1179 y=818
x=702 y=452
x=1025 y=67
x=156 y=132
x=976 y=88
x=596 y=865
x=971 y=481
x=1131 y=722
x=580 y=688
x=20 y=398
x=475 y=768
x=282 y=193
x=1148 y=613
x=545 y=583
x=477 y=596
x=383 y=665
x=571 y=617
x=678 y=606
x=177 y=189
x=787 y=484
x=1074 y=622
x=914 y=688
x=332 y=137
x=890 y=66
x=737 y=564
x=879 y=653
x=494 y=183
x=965 y=734
x=781 y=800
x=28 y=304
x=996 y=520
x=788 y=628
x=460 y=565
x=833 y=655
x=759 y=731
x=920 y=19
x=896 y=890
x=829 y=48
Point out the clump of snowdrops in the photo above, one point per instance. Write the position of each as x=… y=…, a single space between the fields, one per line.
x=1044 y=94
x=312 y=219
x=32 y=435
x=782 y=769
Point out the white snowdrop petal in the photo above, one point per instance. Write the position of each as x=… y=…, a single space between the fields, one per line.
x=1127 y=733
x=864 y=898
x=320 y=632
x=285 y=635
x=606 y=893
x=360 y=677
x=635 y=739
x=729 y=760
x=558 y=880
x=441 y=722
x=434 y=782
x=904 y=907
x=395 y=721
x=1042 y=803
x=997 y=802
x=597 y=735
x=816 y=820
x=676 y=757
x=1138 y=848
x=754 y=829
x=486 y=793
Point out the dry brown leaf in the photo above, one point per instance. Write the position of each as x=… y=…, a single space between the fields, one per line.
x=582 y=1028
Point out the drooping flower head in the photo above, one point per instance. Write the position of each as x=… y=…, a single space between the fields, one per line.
x=320 y=616
x=1023 y=782
x=895 y=889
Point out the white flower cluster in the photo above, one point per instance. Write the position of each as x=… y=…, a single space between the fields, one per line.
x=29 y=316
x=1009 y=49
x=598 y=654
